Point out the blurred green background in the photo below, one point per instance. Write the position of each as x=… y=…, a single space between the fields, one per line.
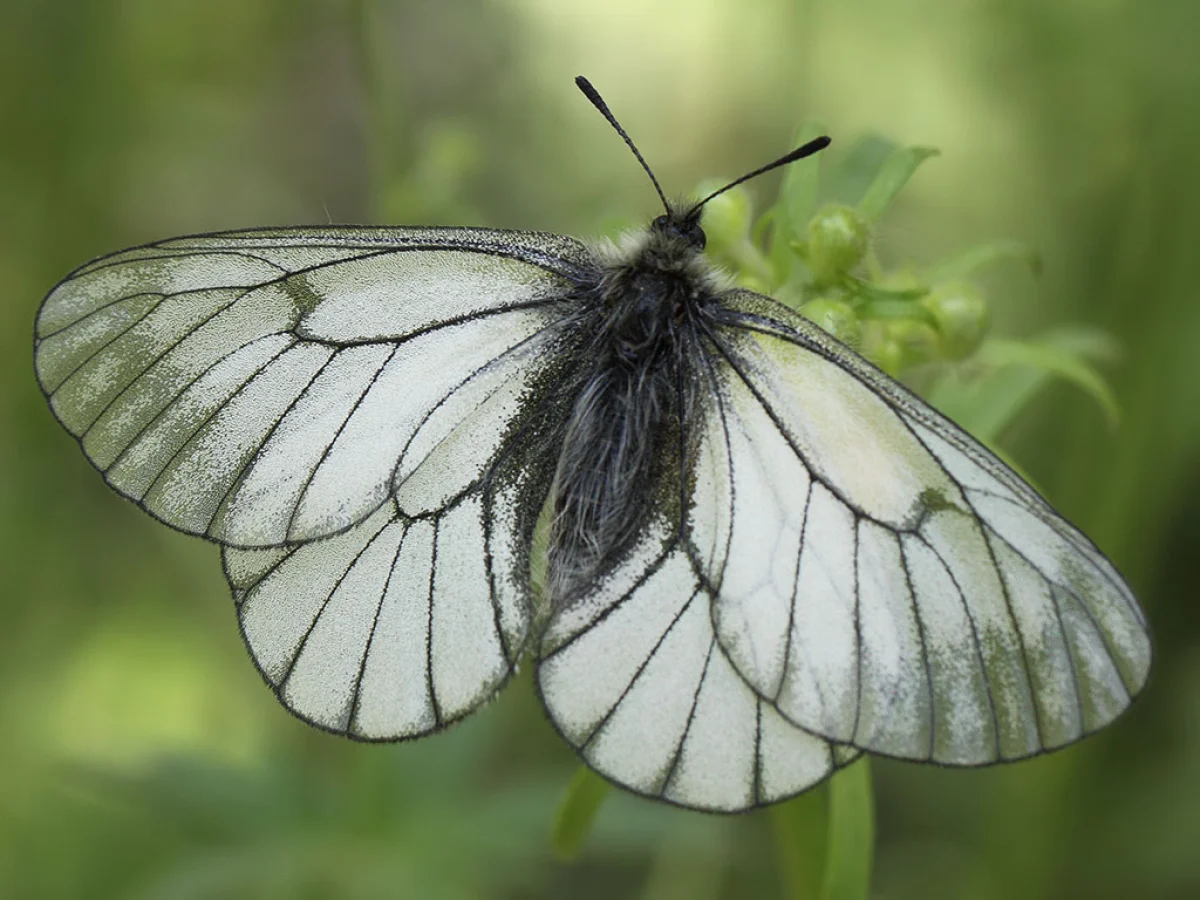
x=140 y=754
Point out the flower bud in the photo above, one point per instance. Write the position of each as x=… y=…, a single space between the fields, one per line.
x=919 y=342
x=836 y=241
x=961 y=313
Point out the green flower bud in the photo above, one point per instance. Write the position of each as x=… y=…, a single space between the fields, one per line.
x=836 y=241
x=961 y=313
x=836 y=317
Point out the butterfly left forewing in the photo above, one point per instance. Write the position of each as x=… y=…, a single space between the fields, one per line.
x=259 y=387
x=882 y=579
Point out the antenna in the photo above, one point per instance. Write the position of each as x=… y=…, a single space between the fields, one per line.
x=597 y=101
x=814 y=146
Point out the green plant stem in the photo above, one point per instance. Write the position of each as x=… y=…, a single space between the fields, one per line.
x=851 y=844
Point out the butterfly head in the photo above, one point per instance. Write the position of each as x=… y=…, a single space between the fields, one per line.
x=681 y=229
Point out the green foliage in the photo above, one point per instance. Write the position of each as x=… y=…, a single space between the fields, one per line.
x=932 y=325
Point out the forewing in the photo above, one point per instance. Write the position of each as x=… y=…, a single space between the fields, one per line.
x=881 y=578
x=399 y=626
x=634 y=678
x=270 y=387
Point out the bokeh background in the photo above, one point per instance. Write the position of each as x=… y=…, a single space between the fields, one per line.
x=140 y=755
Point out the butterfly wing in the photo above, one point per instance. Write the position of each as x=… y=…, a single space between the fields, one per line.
x=634 y=678
x=275 y=386
x=881 y=578
x=399 y=625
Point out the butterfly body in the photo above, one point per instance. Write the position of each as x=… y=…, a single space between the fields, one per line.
x=642 y=315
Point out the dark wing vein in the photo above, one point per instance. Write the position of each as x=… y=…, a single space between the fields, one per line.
x=362 y=663
x=291 y=523
x=675 y=757
x=599 y=726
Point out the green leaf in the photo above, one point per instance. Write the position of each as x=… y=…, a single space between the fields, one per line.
x=849 y=180
x=986 y=405
x=886 y=303
x=1054 y=359
x=985 y=255
x=851 y=854
x=896 y=309
x=876 y=292
x=1012 y=373
x=893 y=175
x=577 y=811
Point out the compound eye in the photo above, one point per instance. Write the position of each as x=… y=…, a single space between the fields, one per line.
x=660 y=223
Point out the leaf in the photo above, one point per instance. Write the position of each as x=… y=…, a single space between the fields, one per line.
x=577 y=811
x=858 y=168
x=986 y=405
x=851 y=853
x=892 y=176
x=985 y=255
x=798 y=192
x=1012 y=373
x=1054 y=359
x=875 y=292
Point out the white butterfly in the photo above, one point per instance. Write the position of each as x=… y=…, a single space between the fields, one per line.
x=765 y=556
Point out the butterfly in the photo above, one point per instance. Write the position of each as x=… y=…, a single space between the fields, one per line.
x=738 y=554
